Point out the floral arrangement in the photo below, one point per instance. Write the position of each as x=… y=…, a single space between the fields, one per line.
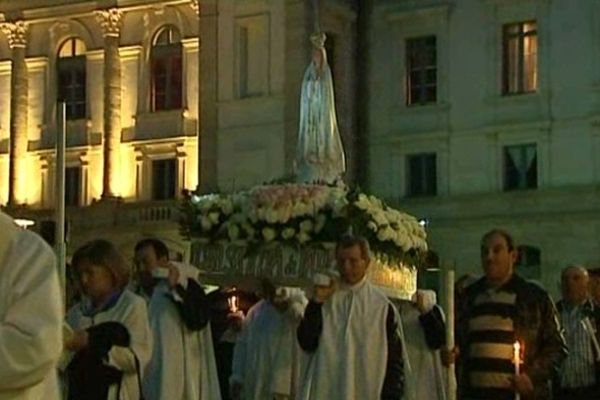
x=302 y=214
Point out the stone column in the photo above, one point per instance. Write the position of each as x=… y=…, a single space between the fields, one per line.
x=195 y=4
x=207 y=81
x=19 y=91
x=110 y=21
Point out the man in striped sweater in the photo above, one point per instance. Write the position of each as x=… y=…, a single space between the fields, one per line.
x=498 y=310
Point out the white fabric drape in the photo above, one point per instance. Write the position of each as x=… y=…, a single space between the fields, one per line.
x=350 y=361
x=131 y=311
x=183 y=361
x=30 y=316
x=267 y=357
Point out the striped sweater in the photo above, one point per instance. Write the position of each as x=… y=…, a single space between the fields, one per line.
x=491 y=335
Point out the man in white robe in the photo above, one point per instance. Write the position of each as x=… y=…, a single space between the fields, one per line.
x=31 y=315
x=183 y=362
x=424 y=334
x=352 y=335
x=266 y=360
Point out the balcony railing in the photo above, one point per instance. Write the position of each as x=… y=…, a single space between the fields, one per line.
x=106 y=215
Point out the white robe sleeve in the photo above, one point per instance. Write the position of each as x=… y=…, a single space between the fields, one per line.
x=31 y=314
x=141 y=341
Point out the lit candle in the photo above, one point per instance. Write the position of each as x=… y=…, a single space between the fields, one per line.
x=517 y=361
x=233 y=304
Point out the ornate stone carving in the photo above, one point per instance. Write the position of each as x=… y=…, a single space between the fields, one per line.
x=110 y=21
x=195 y=4
x=16 y=33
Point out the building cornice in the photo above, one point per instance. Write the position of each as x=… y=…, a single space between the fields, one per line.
x=88 y=8
x=401 y=12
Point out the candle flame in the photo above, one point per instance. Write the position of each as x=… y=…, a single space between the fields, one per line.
x=517 y=347
x=233 y=303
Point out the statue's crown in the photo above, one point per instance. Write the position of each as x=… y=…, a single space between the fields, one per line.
x=318 y=39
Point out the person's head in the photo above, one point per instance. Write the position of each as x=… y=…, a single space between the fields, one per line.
x=353 y=257
x=594 y=274
x=267 y=289
x=100 y=270
x=498 y=256
x=319 y=55
x=574 y=284
x=150 y=254
x=278 y=296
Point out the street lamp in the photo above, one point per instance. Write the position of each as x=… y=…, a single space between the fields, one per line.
x=24 y=223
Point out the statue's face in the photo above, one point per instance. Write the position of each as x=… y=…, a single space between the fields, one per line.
x=318 y=58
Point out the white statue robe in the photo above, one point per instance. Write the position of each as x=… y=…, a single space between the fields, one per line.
x=424 y=374
x=31 y=315
x=351 y=358
x=130 y=310
x=183 y=361
x=320 y=154
x=267 y=357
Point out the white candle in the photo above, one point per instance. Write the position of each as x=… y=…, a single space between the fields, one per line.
x=517 y=361
x=451 y=379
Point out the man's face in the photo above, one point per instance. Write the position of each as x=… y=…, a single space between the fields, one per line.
x=574 y=285
x=497 y=260
x=147 y=262
x=595 y=288
x=352 y=264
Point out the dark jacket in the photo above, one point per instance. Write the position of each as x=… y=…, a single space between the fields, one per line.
x=88 y=376
x=536 y=325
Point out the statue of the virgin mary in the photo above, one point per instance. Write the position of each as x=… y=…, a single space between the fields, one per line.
x=320 y=154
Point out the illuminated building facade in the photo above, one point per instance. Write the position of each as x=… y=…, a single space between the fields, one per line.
x=141 y=79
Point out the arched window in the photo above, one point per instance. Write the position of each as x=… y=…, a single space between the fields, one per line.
x=166 y=70
x=72 y=77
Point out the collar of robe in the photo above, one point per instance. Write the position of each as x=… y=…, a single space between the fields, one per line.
x=89 y=310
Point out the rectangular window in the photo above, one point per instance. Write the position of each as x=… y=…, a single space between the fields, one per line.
x=520 y=167
x=73 y=186
x=520 y=68
x=421 y=70
x=167 y=80
x=164 y=179
x=421 y=175
x=72 y=86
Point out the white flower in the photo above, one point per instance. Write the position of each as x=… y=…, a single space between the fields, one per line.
x=306 y=226
x=283 y=214
x=362 y=202
x=233 y=231
x=288 y=233
x=214 y=217
x=205 y=223
x=386 y=233
x=379 y=218
x=227 y=206
x=372 y=226
x=250 y=231
x=320 y=223
x=303 y=237
x=269 y=234
x=271 y=216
